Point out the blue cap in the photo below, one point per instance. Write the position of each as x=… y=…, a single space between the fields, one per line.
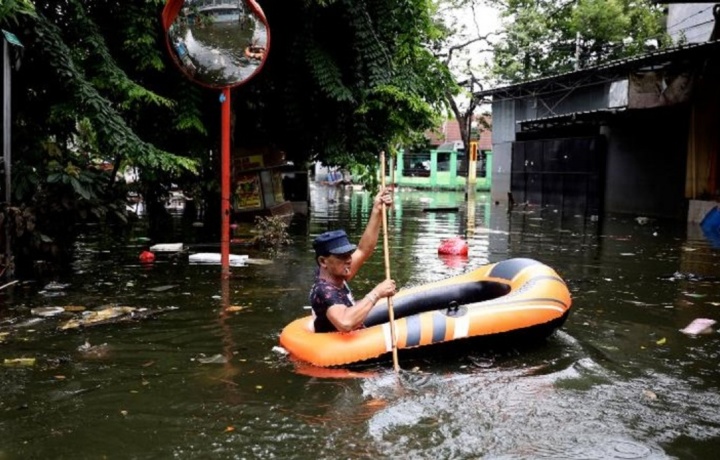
x=333 y=242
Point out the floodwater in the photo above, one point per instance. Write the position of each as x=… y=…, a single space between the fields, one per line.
x=618 y=381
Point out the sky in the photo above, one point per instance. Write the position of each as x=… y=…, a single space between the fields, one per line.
x=480 y=20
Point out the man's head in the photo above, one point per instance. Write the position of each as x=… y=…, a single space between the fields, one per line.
x=334 y=242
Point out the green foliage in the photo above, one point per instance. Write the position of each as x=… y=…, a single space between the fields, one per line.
x=11 y=9
x=344 y=80
x=89 y=99
x=543 y=37
x=347 y=78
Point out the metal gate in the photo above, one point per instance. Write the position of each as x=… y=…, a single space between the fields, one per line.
x=564 y=173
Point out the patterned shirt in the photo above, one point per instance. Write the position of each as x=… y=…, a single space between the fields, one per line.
x=323 y=295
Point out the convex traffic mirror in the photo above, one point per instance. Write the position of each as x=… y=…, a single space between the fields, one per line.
x=217 y=43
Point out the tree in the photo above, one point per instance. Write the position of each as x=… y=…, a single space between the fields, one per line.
x=75 y=110
x=460 y=47
x=345 y=79
x=548 y=37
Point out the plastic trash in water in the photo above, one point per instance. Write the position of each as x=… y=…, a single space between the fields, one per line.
x=167 y=247
x=213 y=258
x=699 y=326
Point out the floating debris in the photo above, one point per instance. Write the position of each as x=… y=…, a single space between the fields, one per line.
x=677 y=276
x=92 y=317
x=19 y=362
x=6 y=285
x=280 y=350
x=639 y=303
x=214 y=359
x=112 y=315
x=213 y=258
x=55 y=286
x=46 y=293
x=163 y=288
x=167 y=247
x=649 y=395
x=47 y=312
x=258 y=261
x=699 y=326
x=94 y=351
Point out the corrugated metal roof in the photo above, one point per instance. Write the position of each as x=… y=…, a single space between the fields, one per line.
x=618 y=64
x=585 y=114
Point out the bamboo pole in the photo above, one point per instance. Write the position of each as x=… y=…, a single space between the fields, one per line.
x=386 y=248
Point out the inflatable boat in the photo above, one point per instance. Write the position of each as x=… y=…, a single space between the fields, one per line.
x=508 y=297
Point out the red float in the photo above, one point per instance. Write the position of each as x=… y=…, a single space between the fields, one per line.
x=453 y=246
x=147 y=257
x=453 y=261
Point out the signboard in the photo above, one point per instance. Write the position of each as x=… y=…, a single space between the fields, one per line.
x=248 y=194
x=252 y=162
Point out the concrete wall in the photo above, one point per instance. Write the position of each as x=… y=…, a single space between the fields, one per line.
x=646 y=160
x=504 y=128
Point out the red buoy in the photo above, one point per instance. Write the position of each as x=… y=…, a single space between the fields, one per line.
x=147 y=257
x=453 y=246
x=452 y=261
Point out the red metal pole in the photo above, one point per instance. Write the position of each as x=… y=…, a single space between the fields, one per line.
x=225 y=186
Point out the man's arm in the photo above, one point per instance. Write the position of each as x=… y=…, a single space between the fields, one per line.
x=369 y=239
x=347 y=319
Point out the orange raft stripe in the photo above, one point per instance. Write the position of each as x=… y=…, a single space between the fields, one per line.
x=537 y=296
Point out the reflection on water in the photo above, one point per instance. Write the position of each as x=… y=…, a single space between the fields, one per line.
x=619 y=381
x=219 y=45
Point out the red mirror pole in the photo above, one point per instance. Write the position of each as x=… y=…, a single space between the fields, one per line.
x=249 y=10
x=225 y=185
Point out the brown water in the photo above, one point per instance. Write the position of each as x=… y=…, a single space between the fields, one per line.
x=618 y=381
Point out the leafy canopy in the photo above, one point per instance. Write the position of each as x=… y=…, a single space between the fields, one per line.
x=547 y=37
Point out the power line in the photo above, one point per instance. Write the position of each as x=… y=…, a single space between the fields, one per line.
x=688 y=17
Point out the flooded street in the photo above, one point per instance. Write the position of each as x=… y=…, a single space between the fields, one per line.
x=199 y=380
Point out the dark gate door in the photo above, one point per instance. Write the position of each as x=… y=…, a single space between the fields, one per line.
x=565 y=173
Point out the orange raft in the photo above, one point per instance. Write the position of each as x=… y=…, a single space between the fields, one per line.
x=512 y=296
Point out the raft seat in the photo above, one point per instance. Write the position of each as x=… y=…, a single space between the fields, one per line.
x=450 y=297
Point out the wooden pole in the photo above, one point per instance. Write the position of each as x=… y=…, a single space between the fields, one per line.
x=391 y=312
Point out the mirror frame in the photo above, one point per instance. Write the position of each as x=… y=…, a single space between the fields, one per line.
x=170 y=13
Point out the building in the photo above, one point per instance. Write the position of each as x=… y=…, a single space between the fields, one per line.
x=636 y=135
x=441 y=166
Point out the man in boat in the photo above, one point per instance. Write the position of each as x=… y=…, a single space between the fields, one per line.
x=334 y=308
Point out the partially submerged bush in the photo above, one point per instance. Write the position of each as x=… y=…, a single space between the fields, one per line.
x=271 y=233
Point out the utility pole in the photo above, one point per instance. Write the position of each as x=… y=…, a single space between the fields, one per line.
x=8 y=39
x=577 y=50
